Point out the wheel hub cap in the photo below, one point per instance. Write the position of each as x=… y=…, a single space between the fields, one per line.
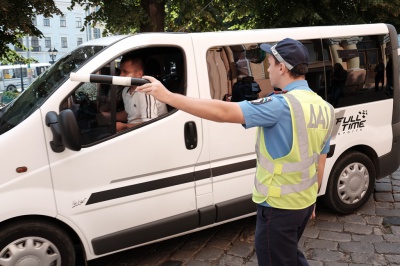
x=30 y=251
x=29 y=261
x=353 y=183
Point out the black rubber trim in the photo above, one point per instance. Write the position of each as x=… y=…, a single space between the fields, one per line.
x=236 y=167
x=173 y=225
x=207 y=216
x=139 y=188
x=234 y=208
x=145 y=233
x=167 y=182
x=331 y=151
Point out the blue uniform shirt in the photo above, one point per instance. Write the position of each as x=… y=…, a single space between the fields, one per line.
x=274 y=116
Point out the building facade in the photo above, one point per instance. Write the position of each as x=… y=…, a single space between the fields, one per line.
x=62 y=33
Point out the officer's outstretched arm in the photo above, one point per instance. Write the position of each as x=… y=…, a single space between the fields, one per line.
x=214 y=110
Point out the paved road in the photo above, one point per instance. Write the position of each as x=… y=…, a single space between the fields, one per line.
x=369 y=237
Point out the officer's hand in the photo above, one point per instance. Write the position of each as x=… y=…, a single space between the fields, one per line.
x=313 y=213
x=155 y=88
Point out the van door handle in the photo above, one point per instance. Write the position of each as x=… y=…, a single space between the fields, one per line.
x=190 y=135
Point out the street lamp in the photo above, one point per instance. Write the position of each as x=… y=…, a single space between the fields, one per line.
x=22 y=78
x=53 y=54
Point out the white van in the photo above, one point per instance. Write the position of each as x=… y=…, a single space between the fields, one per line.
x=18 y=77
x=70 y=184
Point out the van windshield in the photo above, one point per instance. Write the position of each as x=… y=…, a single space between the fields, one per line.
x=48 y=82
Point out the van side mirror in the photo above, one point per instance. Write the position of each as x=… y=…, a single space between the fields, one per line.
x=69 y=130
x=52 y=122
x=65 y=131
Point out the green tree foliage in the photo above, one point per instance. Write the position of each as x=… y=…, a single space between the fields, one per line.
x=205 y=15
x=292 y=13
x=129 y=16
x=124 y=16
x=16 y=21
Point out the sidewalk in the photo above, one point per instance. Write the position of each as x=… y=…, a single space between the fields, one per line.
x=369 y=237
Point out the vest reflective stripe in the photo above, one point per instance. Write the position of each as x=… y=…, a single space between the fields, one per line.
x=286 y=189
x=329 y=126
x=302 y=166
x=285 y=168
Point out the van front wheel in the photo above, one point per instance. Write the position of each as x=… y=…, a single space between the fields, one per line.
x=34 y=243
x=351 y=183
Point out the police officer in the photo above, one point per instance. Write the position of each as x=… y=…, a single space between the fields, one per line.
x=293 y=139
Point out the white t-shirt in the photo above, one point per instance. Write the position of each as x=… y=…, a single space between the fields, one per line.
x=141 y=107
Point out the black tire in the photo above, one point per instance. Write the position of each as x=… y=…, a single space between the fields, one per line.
x=35 y=243
x=11 y=88
x=351 y=183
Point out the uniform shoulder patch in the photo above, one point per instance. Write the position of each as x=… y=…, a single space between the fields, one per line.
x=261 y=100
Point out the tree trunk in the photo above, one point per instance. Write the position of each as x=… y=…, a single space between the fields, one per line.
x=155 y=9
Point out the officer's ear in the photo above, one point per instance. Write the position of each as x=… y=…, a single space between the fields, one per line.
x=282 y=68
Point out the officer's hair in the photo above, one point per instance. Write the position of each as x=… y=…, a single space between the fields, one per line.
x=297 y=71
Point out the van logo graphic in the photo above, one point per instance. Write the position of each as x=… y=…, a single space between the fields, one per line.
x=76 y=203
x=352 y=123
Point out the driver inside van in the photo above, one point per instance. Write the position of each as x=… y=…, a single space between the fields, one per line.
x=139 y=107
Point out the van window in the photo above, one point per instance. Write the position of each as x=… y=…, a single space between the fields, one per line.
x=18 y=72
x=357 y=56
x=316 y=66
x=96 y=106
x=37 y=93
x=228 y=65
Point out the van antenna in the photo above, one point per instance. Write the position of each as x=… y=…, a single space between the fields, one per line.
x=184 y=27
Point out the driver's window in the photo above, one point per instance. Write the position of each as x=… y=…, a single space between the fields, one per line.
x=105 y=110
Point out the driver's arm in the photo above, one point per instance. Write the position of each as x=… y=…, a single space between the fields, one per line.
x=121 y=116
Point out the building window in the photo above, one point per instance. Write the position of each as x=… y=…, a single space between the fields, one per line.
x=46 y=22
x=63 y=21
x=96 y=32
x=64 y=42
x=47 y=42
x=18 y=49
x=34 y=21
x=78 y=22
x=79 y=41
x=34 y=41
x=35 y=44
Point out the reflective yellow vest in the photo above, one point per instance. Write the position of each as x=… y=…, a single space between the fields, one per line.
x=290 y=182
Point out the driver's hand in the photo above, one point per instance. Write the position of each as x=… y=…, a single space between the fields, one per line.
x=120 y=126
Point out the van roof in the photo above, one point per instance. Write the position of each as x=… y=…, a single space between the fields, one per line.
x=257 y=35
x=105 y=41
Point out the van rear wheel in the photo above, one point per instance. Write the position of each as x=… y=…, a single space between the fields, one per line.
x=351 y=183
x=34 y=243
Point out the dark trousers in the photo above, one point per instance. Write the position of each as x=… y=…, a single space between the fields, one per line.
x=277 y=234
